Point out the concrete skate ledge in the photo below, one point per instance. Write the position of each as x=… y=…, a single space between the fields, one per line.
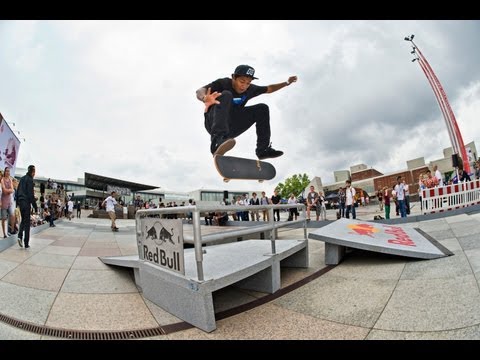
x=248 y=264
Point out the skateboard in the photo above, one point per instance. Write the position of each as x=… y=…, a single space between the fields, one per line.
x=230 y=167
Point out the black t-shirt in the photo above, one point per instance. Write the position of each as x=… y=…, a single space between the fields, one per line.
x=239 y=100
x=276 y=199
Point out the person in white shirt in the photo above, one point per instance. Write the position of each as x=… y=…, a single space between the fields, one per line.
x=400 y=190
x=70 y=209
x=438 y=175
x=111 y=202
x=350 y=200
x=292 y=200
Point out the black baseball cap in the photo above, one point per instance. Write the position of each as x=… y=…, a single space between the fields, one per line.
x=245 y=70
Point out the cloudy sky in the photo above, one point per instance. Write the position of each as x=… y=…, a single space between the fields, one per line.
x=117 y=98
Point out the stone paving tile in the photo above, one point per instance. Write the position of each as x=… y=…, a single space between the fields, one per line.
x=119 y=280
x=129 y=250
x=37 y=277
x=51 y=260
x=441 y=235
x=103 y=239
x=8 y=332
x=125 y=240
x=161 y=316
x=27 y=304
x=368 y=265
x=469 y=242
x=466 y=228
x=44 y=242
x=362 y=301
x=468 y=333
x=447 y=267
x=103 y=245
x=452 y=244
x=432 y=305
x=96 y=251
x=16 y=254
x=457 y=218
x=61 y=250
x=100 y=312
x=473 y=257
x=89 y=263
x=433 y=225
x=53 y=237
x=272 y=322
x=7 y=266
x=35 y=246
x=69 y=242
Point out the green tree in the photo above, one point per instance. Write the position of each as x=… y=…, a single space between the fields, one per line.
x=295 y=184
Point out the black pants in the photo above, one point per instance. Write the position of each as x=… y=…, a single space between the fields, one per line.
x=229 y=120
x=25 y=224
x=276 y=214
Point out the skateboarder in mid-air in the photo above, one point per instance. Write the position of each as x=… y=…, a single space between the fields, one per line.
x=226 y=115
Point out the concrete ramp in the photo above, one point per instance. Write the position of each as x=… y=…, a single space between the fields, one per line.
x=374 y=236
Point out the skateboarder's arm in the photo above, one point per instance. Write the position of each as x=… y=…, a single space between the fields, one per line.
x=275 y=87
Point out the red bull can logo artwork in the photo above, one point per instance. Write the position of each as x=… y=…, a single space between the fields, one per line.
x=363 y=229
x=400 y=237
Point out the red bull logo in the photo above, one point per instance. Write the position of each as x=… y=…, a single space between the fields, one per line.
x=401 y=237
x=363 y=229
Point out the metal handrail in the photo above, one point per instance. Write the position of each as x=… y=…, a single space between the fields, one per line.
x=197 y=234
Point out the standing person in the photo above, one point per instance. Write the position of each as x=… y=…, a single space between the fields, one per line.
x=438 y=175
x=255 y=201
x=292 y=200
x=13 y=207
x=226 y=115
x=350 y=200
x=265 y=201
x=321 y=204
x=342 y=198
x=400 y=191
x=380 y=199
x=25 y=200
x=70 y=209
x=7 y=191
x=79 y=209
x=386 y=199
x=407 y=197
x=312 y=203
x=276 y=200
x=111 y=202
x=421 y=186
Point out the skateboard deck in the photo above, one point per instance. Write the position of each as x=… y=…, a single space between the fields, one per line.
x=231 y=167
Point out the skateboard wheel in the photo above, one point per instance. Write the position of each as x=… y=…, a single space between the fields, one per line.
x=226 y=180
x=260 y=181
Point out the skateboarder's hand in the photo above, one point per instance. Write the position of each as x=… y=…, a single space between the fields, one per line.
x=292 y=79
x=211 y=98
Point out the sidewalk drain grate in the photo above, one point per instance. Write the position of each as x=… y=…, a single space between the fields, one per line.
x=81 y=334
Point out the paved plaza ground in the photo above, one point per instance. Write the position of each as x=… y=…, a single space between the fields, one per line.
x=60 y=284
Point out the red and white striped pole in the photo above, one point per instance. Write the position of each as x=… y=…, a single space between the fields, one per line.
x=452 y=127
